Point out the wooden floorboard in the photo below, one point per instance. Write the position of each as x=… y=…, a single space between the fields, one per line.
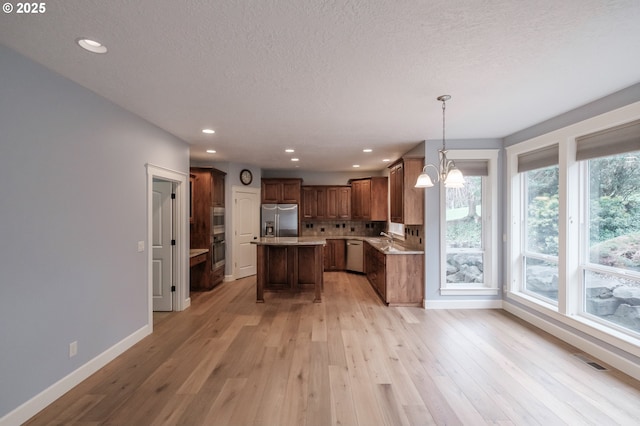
x=349 y=360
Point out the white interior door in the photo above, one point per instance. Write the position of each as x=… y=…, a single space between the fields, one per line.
x=162 y=263
x=246 y=224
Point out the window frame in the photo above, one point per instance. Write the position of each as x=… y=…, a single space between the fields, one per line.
x=490 y=229
x=569 y=225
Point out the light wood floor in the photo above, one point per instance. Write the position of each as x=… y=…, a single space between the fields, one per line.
x=346 y=361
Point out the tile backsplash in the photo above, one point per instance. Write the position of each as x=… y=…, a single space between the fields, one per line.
x=413 y=234
x=340 y=228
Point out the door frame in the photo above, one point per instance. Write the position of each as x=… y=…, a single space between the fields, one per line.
x=234 y=193
x=180 y=180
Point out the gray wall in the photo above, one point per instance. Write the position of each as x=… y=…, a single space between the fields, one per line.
x=73 y=191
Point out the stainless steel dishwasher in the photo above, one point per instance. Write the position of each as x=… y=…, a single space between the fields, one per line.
x=355 y=256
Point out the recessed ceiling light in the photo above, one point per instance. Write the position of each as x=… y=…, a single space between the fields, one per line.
x=211 y=151
x=356 y=165
x=386 y=160
x=91 y=45
x=367 y=150
x=208 y=131
x=289 y=150
x=295 y=159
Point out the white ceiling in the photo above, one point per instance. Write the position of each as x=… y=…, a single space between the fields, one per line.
x=331 y=77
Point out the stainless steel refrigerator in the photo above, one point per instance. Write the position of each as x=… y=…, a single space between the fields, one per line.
x=279 y=220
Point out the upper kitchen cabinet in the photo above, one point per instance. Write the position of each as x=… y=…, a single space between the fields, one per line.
x=326 y=202
x=369 y=199
x=406 y=201
x=281 y=191
x=339 y=202
x=314 y=202
x=217 y=188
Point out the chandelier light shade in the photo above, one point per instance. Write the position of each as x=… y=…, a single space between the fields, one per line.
x=446 y=171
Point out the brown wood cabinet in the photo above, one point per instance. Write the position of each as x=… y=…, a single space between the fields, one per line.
x=207 y=187
x=369 y=199
x=314 y=202
x=217 y=188
x=289 y=268
x=397 y=278
x=339 y=202
x=281 y=191
x=406 y=202
x=335 y=255
x=326 y=202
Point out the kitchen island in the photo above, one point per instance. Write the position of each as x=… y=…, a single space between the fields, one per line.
x=290 y=264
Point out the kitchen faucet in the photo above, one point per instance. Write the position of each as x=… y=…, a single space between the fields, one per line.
x=384 y=234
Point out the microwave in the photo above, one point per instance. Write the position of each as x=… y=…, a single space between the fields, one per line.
x=217 y=220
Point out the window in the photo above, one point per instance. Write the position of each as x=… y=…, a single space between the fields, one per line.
x=574 y=226
x=469 y=230
x=540 y=251
x=610 y=237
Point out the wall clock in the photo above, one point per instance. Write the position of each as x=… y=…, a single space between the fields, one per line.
x=246 y=177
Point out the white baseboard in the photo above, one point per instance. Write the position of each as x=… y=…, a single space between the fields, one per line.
x=228 y=278
x=33 y=406
x=592 y=348
x=463 y=304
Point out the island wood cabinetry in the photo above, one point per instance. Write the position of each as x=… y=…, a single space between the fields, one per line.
x=207 y=192
x=289 y=264
x=321 y=202
x=397 y=278
x=369 y=199
x=335 y=255
x=281 y=191
x=406 y=202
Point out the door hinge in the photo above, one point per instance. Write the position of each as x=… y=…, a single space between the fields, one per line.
x=173 y=242
x=173 y=196
x=173 y=288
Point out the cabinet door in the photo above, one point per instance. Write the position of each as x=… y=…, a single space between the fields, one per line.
x=397 y=195
x=356 y=200
x=271 y=192
x=378 y=199
x=339 y=255
x=217 y=189
x=393 y=203
x=413 y=201
x=309 y=203
x=290 y=192
x=321 y=203
x=365 y=199
x=344 y=203
x=332 y=203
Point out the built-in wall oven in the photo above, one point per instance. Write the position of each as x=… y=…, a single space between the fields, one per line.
x=217 y=250
x=217 y=237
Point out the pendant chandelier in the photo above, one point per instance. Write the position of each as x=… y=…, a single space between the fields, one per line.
x=446 y=171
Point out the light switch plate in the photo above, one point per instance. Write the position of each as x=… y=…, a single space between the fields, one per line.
x=140 y=246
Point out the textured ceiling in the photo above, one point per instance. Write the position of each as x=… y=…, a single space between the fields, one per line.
x=331 y=77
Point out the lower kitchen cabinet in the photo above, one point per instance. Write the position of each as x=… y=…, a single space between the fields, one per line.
x=335 y=255
x=397 y=278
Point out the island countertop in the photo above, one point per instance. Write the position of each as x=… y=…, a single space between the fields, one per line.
x=290 y=241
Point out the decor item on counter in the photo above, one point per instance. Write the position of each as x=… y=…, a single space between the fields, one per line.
x=447 y=172
x=246 y=177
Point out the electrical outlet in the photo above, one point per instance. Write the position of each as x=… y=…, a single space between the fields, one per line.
x=73 y=349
